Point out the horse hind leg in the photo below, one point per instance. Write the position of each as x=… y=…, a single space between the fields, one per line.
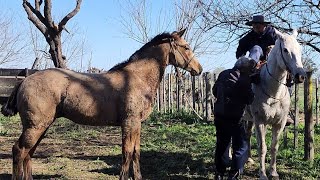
x=130 y=134
x=22 y=152
x=27 y=164
x=136 y=155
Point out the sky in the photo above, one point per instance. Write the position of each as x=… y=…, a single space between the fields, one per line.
x=99 y=23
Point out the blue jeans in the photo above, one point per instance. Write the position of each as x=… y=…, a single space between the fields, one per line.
x=255 y=53
x=226 y=131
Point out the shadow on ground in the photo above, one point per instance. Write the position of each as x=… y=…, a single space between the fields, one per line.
x=158 y=165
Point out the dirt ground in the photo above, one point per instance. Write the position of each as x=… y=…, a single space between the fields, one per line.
x=97 y=158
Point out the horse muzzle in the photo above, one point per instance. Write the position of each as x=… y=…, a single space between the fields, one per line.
x=196 y=72
x=300 y=76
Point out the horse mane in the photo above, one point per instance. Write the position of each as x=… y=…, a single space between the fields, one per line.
x=160 y=38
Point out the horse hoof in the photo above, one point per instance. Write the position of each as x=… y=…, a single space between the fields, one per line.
x=250 y=161
x=263 y=178
x=274 y=177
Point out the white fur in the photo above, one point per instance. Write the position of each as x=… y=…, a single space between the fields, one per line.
x=272 y=99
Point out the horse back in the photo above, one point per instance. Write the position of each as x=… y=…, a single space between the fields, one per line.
x=90 y=99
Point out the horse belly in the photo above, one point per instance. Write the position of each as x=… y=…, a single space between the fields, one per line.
x=269 y=114
x=88 y=110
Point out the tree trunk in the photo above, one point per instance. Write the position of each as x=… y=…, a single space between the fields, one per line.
x=50 y=30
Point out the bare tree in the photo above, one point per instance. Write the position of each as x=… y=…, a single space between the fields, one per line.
x=11 y=46
x=286 y=15
x=51 y=31
x=140 y=25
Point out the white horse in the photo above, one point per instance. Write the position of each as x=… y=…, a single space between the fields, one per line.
x=272 y=98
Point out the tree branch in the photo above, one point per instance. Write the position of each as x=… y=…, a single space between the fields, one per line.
x=69 y=16
x=34 y=11
x=37 y=4
x=47 y=13
x=38 y=22
x=313 y=46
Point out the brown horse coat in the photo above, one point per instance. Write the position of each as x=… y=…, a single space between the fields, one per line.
x=123 y=96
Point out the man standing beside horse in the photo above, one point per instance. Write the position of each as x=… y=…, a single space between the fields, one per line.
x=233 y=92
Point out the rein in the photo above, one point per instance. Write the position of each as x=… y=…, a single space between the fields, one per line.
x=274 y=77
x=185 y=59
x=281 y=83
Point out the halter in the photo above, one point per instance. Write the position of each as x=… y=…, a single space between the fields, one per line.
x=285 y=63
x=283 y=59
x=273 y=76
x=287 y=69
x=184 y=58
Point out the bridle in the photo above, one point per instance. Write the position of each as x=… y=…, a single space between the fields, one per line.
x=281 y=83
x=173 y=48
x=285 y=63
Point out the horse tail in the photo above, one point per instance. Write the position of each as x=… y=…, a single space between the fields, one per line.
x=10 y=108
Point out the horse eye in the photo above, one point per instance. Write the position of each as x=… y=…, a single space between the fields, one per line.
x=186 y=47
x=285 y=50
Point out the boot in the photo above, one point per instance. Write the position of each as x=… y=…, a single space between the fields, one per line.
x=218 y=176
x=234 y=175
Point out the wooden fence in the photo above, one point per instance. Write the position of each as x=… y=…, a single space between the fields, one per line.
x=9 y=78
x=186 y=93
x=195 y=94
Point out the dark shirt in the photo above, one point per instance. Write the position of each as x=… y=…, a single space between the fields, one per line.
x=232 y=97
x=267 y=38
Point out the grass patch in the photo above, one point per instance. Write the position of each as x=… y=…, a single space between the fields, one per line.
x=173 y=146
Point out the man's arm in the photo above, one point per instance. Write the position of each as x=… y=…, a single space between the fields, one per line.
x=242 y=47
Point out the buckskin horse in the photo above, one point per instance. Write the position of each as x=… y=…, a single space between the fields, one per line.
x=123 y=96
x=272 y=98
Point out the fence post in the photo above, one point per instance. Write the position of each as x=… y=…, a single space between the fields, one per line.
x=296 y=115
x=193 y=90
x=208 y=95
x=164 y=94
x=170 y=93
x=309 y=123
x=158 y=100
x=160 y=97
x=178 y=92
x=317 y=101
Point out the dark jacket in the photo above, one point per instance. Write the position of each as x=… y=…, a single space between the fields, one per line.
x=232 y=97
x=252 y=38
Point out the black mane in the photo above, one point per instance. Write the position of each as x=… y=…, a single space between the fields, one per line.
x=154 y=41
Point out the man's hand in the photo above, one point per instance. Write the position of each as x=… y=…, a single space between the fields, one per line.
x=234 y=78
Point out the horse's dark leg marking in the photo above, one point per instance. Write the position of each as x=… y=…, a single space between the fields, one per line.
x=130 y=131
x=136 y=154
x=27 y=164
x=20 y=152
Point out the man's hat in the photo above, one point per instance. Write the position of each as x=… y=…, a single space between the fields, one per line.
x=257 y=19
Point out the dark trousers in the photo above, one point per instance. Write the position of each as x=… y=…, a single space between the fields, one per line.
x=226 y=131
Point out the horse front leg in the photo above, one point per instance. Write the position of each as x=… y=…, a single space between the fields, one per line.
x=262 y=148
x=276 y=132
x=130 y=132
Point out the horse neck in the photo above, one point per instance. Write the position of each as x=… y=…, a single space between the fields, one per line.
x=274 y=77
x=150 y=65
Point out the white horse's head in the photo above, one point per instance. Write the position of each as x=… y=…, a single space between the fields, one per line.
x=289 y=55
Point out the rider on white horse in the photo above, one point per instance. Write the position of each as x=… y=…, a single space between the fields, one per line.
x=258 y=42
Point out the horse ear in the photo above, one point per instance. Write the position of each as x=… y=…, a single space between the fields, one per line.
x=181 y=32
x=295 y=33
x=279 y=34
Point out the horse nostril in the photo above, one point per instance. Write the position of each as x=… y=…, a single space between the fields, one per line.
x=299 y=78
